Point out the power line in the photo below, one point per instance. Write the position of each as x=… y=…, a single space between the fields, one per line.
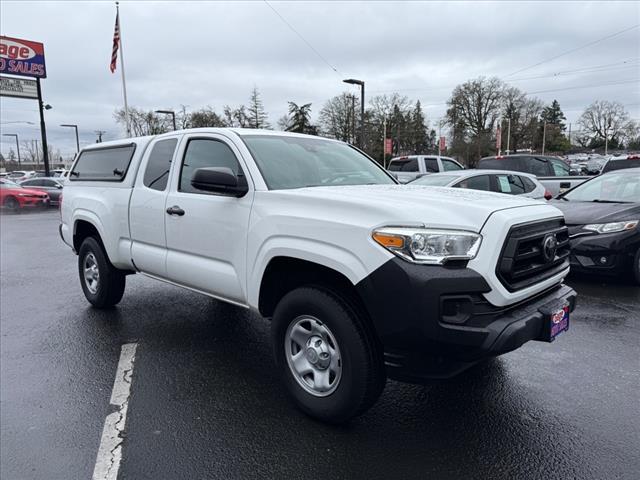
x=584 y=86
x=575 y=49
x=301 y=37
x=593 y=69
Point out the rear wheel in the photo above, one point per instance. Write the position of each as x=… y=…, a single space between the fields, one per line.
x=11 y=204
x=102 y=283
x=326 y=354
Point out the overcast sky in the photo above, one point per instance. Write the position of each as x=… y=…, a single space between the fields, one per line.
x=214 y=53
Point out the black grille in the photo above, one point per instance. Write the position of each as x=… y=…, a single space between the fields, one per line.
x=523 y=262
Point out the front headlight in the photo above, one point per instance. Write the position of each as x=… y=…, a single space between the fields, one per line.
x=612 y=227
x=430 y=246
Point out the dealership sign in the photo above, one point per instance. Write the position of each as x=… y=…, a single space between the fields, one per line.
x=18 y=87
x=22 y=57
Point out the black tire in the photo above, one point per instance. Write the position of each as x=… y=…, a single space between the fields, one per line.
x=362 y=376
x=109 y=287
x=11 y=204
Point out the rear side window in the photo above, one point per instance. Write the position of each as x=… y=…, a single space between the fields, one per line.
x=512 y=184
x=104 y=164
x=431 y=165
x=507 y=163
x=537 y=166
x=159 y=163
x=448 y=165
x=529 y=186
x=480 y=182
x=404 y=165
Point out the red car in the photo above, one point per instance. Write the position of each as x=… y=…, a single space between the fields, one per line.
x=13 y=197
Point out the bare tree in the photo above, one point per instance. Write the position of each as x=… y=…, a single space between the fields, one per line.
x=236 y=117
x=523 y=112
x=474 y=107
x=205 y=117
x=604 y=122
x=144 y=122
x=336 y=117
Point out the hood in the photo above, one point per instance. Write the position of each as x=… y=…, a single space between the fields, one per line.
x=582 y=213
x=438 y=207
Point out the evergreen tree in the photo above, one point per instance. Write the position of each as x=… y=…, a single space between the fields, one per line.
x=300 y=119
x=417 y=130
x=555 y=139
x=257 y=116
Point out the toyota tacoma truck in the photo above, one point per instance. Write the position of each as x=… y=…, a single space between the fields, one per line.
x=362 y=278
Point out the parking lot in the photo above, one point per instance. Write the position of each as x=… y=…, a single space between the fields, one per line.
x=205 y=402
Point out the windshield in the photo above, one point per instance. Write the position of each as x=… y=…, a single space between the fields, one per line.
x=295 y=162
x=435 y=180
x=612 y=187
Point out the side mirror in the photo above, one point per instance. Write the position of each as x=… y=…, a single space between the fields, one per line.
x=220 y=180
x=59 y=186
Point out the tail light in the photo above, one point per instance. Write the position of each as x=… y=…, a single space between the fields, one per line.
x=547 y=194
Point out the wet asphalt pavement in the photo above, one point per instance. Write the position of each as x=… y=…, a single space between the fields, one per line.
x=205 y=402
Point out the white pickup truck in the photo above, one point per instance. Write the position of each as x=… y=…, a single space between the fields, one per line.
x=361 y=277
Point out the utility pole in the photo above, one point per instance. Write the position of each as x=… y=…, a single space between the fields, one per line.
x=384 y=142
x=569 y=135
x=509 y=136
x=43 y=129
x=99 y=133
x=544 y=135
x=353 y=81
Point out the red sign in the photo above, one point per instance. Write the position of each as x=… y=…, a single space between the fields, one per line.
x=22 y=57
x=498 y=138
x=443 y=144
x=388 y=145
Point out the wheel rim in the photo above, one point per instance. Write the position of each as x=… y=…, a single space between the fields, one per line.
x=12 y=204
x=313 y=356
x=91 y=273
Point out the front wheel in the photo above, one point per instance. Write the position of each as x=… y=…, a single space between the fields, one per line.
x=326 y=354
x=11 y=204
x=102 y=283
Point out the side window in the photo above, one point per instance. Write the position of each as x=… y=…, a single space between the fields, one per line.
x=202 y=153
x=29 y=183
x=103 y=164
x=49 y=183
x=448 y=165
x=537 y=166
x=529 y=186
x=431 y=165
x=156 y=174
x=480 y=182
x=560 y=169
x=404 y=165
x=511 y=184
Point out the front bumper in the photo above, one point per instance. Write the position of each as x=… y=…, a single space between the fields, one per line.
x=434 y=321
x=604 y=254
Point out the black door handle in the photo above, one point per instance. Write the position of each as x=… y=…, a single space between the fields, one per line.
x=175 y=210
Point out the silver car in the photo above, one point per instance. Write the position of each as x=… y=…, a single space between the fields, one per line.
x=501 y=181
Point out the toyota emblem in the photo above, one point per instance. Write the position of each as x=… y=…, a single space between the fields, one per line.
x=549 y=247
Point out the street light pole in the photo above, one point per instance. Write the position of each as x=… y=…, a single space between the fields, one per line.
x=77 y=139
x=173 y=116
x=509 y=137
x=544 y=136
x=353 y=81
x=17 y=144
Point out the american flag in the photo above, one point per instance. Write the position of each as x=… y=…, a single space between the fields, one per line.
x=116 y=44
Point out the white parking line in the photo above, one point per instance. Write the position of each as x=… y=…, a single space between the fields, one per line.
x=110 y=451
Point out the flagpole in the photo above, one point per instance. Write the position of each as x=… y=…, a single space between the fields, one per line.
x=124 y=83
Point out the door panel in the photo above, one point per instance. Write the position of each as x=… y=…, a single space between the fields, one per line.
x=147 y=211
x=206 y=247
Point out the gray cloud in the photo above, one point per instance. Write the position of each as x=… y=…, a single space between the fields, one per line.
x=213 y=53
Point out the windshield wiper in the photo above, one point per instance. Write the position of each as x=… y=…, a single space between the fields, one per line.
x=597 y=200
